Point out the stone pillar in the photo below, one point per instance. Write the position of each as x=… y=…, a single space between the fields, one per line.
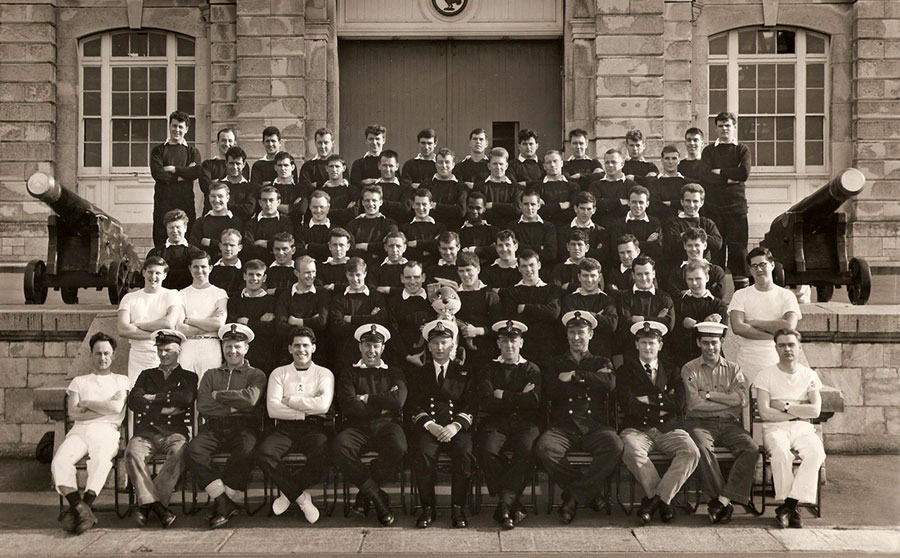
x=678 y=56
x=271 y=72
x=27 y=123
x=223 y=59
x=580 y=65
x=875 y=230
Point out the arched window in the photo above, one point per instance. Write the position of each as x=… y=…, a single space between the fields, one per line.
x=777 y=82
x=129 y=83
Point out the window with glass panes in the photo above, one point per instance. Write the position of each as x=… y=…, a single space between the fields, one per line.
x=776 y=81
x=130 y=82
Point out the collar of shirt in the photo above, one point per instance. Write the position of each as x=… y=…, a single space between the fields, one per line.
x=576 y=225
x=720 y=362
x=683 y=215
x=560 y=179
x=676 y=175
x=520 y=361
x=645 y=218
x=246 y=294
x=332 y=261
x=685 y=262
x=379 y=215
x=452 y=178
x=370 y=154
x=478 y=286
x=242 y=367
x=419 y=157
x=606 y=178
x=574 y=158
x=654 y=365
x=360 y=364
x=640 y=159
x=312 y=223
x=523 y=158
x=166 y=370
x=438 y=366
x=330 y=184
x=406 y=295
x=426 y=219
x=624 y=268
x=221 y=263
x=295 y=289
x=348 y=290
x=499 y=263
x=468 y=225
x=182 y=141
x=260 y=216
x=651 y=290
x=395 y=180
x=706 y=294
x=444 y=263
x=228 y=214
x=276 y=264
x=183 y=242
x=537 y=220
x=387 y=261
x=241 y=181
x=504 y=180
x=732 y=142
x=570 y=261
x=582 y=292
x=538 y=283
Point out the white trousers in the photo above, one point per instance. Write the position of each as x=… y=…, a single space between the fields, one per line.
x=140 y=359
x=199 y=355
x=779 y=438
x=99 y=441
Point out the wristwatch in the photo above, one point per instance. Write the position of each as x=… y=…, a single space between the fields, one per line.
x=707 y=396
x=787 y=405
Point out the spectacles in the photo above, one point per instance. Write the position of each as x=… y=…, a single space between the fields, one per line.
x=759 y=266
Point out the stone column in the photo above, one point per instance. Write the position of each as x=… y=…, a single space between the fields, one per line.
x=223 y=60
x=677 y=86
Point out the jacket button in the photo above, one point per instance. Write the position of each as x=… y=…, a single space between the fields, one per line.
x=589 y=411
x=588 y=398
x=570 y=400
x=570 y=411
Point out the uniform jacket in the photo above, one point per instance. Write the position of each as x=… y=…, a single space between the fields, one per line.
x=452 y=400
x=178 y=390
x=377 y=383
x=667 y=394
x=512 y=379
x=581 y=403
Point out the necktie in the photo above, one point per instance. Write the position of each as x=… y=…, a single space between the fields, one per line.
x=649 y=371
x=441 y=376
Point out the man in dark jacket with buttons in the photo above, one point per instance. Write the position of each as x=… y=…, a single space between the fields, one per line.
x=578 y=385
x=441 y=405
x=162 y=400
x=651 y=399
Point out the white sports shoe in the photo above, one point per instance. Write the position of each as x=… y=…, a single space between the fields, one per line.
x=309 y=509
x=281 y=504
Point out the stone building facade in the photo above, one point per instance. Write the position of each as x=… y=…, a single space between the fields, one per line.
x=657 y=65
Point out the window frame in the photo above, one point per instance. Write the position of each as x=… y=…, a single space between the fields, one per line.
x=733 y=59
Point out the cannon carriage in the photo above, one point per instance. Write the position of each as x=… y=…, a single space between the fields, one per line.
x=809 y=241
x=86 y=248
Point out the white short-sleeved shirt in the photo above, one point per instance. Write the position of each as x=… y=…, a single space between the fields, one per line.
x=146 y=307
x=788 y=387
x=755 y=354
x=201 y=303
x=97 y=387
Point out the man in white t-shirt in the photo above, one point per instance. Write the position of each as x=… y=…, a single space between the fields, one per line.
x=758 y=311
x=96 y=404
x=145 y=311
x=205 y=310
x=788 y=397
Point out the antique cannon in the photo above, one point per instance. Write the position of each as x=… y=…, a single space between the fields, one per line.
x=86 y=248
x=809 y=241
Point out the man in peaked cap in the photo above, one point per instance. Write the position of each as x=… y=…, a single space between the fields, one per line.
x=228 y=401
x=162 y=401
x=651 y=399
x=508 y=393
x=578 y=385
x=442 y=406
x=371 y=396
x=716 y=393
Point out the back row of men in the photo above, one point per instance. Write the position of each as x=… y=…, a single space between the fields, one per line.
x=541 y=199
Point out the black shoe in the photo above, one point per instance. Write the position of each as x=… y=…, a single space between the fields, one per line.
x=794 y=521
x=598 y=504
x=501 y=516
x=568 y=508
x=458 y=517
x=666 y=512
x=647 y=509
x=426 y=518
x=225 y=510
x=68 y=519
x=140 y=515
x=361 y=505
x=782 y=516
x=382 y=505
x=517 y=512
x=85 y=518
x=165 y=515
x=724 y=516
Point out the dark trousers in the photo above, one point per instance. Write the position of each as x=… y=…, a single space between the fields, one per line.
x=298 y=436
x=585 y=483
x=385 y=437
x=710 y=432
x=424 y=462
x=502 y=474
x=238 y=442
x=735 y=235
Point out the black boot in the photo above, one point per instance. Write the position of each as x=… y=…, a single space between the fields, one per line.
x=503 y=511
x=649 y=506
x=458 y=517
x=426 y=517
x=165 y=515
x=382 y=505
x=225 y=510
x=85 y=518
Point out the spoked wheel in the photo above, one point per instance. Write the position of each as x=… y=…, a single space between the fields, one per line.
x=69 y=295
x=33 y=282
x=860 y=281
x=117 y=280
x=824 y=292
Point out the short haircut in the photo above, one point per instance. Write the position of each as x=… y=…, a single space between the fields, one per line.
x=447 y=237
x=389 y=154
x=354 y=265
x=578 y=235
x=505 y=235
x=528 y=254
x=180 y=116
x=427 y=133
x=236 y=152
x=467 y=259
x=578 y=132
x=552 y=152
x=321 y=132
x=254 y=265
x=424 y=193
x=693 y=132
x=446 y=152
x=174 y=215
x=100 y=336
x=589 y=264
x=760 y=251
x=693 y=188
x=498 y=152
x=338 y=232
x=694 y=266
x=320 y=194
x=197 y=254
x=335 y=157
x=527 y=134
x=225 y=130
x=643 y=260
x=282 y=155
x=303 y=260
x=639 y=190
x=271 y=131
x=394 y=234
x=157 y=261
x=530 y=191
x=634 y=135
x=626 y=238
x=283 y=236
x=477 y=131
x=268 y=190
x=670 y=149
x=613 y=151
x=693 y=233
x=725 y=117
x=376 y=129
x=582 y=198
x=413 y=263
x=775 y=336
x=303 y=331
x=219 y=185
x=231 y=232
x=372 y=189
x=475 y=195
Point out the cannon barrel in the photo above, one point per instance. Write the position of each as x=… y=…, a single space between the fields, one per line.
x=78 y=213
x=829 y=197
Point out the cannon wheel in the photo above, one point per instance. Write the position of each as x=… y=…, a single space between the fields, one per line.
x=778 y=275
x=35 y=289
x=860 y=281
x=824 y=292
x=69 y=295
x=117 y=280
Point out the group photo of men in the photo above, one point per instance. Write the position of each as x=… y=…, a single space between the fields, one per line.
x=489 y=312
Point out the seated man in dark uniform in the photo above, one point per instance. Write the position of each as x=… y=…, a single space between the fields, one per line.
x=509 y=392
x=371 y=395
x=578 y=385
x=442 y=407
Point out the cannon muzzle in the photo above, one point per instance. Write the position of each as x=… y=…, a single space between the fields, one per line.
x=828 y=198
x=78 y=213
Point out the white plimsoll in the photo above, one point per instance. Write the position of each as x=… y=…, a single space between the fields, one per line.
x=281 y=504
x=309 y=509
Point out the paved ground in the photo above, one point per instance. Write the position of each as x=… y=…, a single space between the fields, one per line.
x=861 y=505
